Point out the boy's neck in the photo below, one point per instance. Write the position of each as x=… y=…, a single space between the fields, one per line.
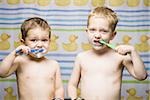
x=101 y=51
x=36 y=59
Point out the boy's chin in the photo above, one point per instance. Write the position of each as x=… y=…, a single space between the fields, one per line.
x=38 y=55
x=97 y=47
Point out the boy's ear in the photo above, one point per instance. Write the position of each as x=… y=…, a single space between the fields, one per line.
x=22 y=41
x=86 y=30
x=113 y=35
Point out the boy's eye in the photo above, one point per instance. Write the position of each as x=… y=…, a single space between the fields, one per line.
x=104 y=31
x=92 y=30
x=33 y=40
x=44 y=40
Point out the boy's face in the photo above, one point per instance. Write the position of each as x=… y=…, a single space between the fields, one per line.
x=38 y=38
x=97 y=30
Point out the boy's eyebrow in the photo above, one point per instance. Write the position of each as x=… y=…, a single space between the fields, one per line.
x=99 y=28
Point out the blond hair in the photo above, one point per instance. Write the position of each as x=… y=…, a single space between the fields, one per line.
x=107 y=13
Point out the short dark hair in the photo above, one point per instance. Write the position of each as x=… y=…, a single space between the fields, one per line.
x=33 y=23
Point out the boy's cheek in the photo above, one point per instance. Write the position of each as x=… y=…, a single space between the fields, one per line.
x=30 y=45
x=106 y=37
x=47 y=47
x=90 y=40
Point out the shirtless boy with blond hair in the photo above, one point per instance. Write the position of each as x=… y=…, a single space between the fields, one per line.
x=99 y=70
x=38 y=78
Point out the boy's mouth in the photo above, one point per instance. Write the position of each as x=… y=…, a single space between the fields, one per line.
x=112 y=46
x=97 y=43
x=38 y=53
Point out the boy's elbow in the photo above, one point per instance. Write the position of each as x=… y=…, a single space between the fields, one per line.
x=142 y=77
x=3 y=74
x=145 y=76
x=71 y=85
x=59 y=93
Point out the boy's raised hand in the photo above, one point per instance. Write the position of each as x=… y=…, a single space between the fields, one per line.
x=124 y=49
x=22 y=50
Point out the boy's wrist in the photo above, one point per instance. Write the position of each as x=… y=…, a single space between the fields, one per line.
x=14 y=53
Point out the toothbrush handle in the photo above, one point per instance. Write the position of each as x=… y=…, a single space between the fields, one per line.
x=19 y=52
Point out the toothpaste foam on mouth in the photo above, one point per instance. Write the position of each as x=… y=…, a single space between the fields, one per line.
x=37 y=50
x=38 y=53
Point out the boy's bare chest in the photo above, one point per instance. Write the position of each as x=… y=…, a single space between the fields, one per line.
x=101 y=65
x=34 y=70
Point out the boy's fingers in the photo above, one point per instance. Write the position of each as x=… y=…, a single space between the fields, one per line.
x=22 y=50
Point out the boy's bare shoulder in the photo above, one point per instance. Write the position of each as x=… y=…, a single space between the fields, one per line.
x=53 y=62
x=21 y=59
x=83 y=54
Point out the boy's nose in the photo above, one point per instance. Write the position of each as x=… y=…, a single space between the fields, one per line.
x=97 y=36
x=39 y=44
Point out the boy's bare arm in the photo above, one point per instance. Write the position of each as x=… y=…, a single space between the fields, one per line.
x=133 y=62
x=59 y=93
x=10 y=63
x=74 y=80
x=8 y=66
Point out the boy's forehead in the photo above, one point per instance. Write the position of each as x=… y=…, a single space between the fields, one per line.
x=38 y=32
x=97 y=18
x=100 y=22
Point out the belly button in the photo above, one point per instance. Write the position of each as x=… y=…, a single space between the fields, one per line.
x=27 y=77
x=51 y=78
